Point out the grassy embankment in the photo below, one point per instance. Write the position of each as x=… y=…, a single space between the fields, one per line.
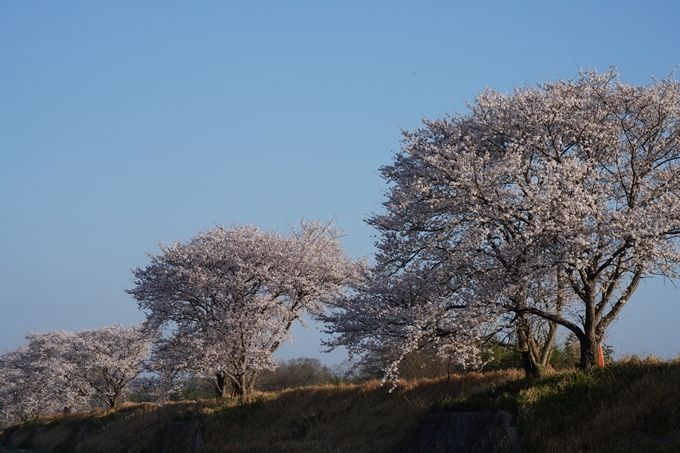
x=630 y=406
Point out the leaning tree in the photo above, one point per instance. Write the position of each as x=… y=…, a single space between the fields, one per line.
x=229 y=296
x=571 y=185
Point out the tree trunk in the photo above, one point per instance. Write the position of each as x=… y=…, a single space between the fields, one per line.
x=111 y=400
x=589 y=352
x=532 y=369
x=220 y=386
x=535 y=356
x=251 y=383
x=589 y=341
x=241 y=386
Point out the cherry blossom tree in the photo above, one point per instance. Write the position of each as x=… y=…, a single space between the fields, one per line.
x=104 y=361
x=30 y=387
x=430 y=301
x=230 y=296
x=571 y=186
x=388 y=315
x=61 y=371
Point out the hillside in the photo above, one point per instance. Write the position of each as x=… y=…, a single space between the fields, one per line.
x=628 y=406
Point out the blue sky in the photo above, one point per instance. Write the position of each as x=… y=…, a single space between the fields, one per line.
x=123 y=124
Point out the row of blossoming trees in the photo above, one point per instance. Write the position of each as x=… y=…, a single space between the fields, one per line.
x=226 y=301
x=538 y=209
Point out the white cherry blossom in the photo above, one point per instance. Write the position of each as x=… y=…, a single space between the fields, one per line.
x=61 y=371
x=572 y=185
x=229 y=297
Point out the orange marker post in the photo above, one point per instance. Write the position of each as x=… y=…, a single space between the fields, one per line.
x=600 y=357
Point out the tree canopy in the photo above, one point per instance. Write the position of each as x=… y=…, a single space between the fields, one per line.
x=547 y=204
x=61 y=370
x=230 y=296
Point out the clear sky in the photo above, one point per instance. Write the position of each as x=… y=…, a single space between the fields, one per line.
x=127 y=123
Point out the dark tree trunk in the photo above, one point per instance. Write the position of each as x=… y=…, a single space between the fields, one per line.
x=589 y=353
x=532 y=370
x=251 y=383
x=111 y=401
x=241 y=386
x=220 y=385
x=535 y=350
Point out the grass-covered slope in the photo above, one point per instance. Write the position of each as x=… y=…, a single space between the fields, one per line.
x=331 y=418
x=633 y=406
x=629 y=406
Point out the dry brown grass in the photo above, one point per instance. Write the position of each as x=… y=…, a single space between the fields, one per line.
x=630 y=406
x=331 y=418
x=354 y=417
